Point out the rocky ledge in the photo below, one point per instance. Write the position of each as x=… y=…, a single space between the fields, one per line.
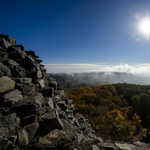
x=36 y=114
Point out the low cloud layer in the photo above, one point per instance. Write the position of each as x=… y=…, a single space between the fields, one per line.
x=139 y=69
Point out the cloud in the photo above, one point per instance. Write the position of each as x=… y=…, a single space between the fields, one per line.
x=138 y=69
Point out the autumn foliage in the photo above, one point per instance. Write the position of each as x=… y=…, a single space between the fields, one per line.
x=109 y=113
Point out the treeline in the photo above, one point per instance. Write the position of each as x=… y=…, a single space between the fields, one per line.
x=116 y=112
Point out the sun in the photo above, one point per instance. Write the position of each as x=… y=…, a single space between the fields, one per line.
x=144 y=26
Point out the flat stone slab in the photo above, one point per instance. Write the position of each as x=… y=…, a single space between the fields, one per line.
x=6 y=84
x=26 y=81
x=125 y=146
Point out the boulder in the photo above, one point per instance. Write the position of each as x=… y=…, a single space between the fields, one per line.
x=8 y=38
x=47 y=92
x=4 y=43
x=31 y=130
x=17 y=71
x=6 y=84
x=5 y=71
x=23 y=137
x=11 y=62
x=11 y=98
x=50 y=103
x=7 y=123
x=51 y=118
x=123 y=146
x=41 y=82
x=25 y=89
x=26 y=81
x=30 y=106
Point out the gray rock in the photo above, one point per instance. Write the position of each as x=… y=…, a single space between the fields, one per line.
x=11 y=62
x=6 y=84
x=25 y=89
x=56 y=98
x=52 y=119
x=7 y=123
x=26 y=81
x=4 y=43
x=124 y=146
x=28 y=107
x=50 y=103
x=68 y=128
x=5 y=71
x=8 y=38
x=17 y=71
x=12 y=98
x=31 y=130
x=23 y=138
x=41 y=82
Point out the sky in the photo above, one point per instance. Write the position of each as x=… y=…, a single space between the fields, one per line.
x=81 y=35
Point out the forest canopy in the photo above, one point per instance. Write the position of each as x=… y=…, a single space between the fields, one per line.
x=115 y=111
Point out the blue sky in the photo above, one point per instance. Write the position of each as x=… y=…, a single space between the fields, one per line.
x=67 y=33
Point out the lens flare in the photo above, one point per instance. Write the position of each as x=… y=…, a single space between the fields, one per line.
x=144 y=26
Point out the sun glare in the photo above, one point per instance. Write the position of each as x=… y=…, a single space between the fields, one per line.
x=144 y=26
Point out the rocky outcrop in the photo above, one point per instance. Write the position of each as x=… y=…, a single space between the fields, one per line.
x=36 y=114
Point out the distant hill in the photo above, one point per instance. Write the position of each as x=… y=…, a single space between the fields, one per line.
x=99 y=78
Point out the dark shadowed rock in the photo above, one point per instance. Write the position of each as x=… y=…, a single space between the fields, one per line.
x=31 y=130
x=5 y=144
x=47 y=92
x=27 y=120
x=8 y=38
x=62 y=105
x=51 y=118
x=28 y=107
x=11 y=62
x=17 y=71
x=7 y=123
x=32 y=53
x=14 y=49
x=93 y=147
x=53 y=84
x=6 y=84
x=4 y=43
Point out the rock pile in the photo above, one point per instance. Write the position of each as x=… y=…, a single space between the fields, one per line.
x=36 y=114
